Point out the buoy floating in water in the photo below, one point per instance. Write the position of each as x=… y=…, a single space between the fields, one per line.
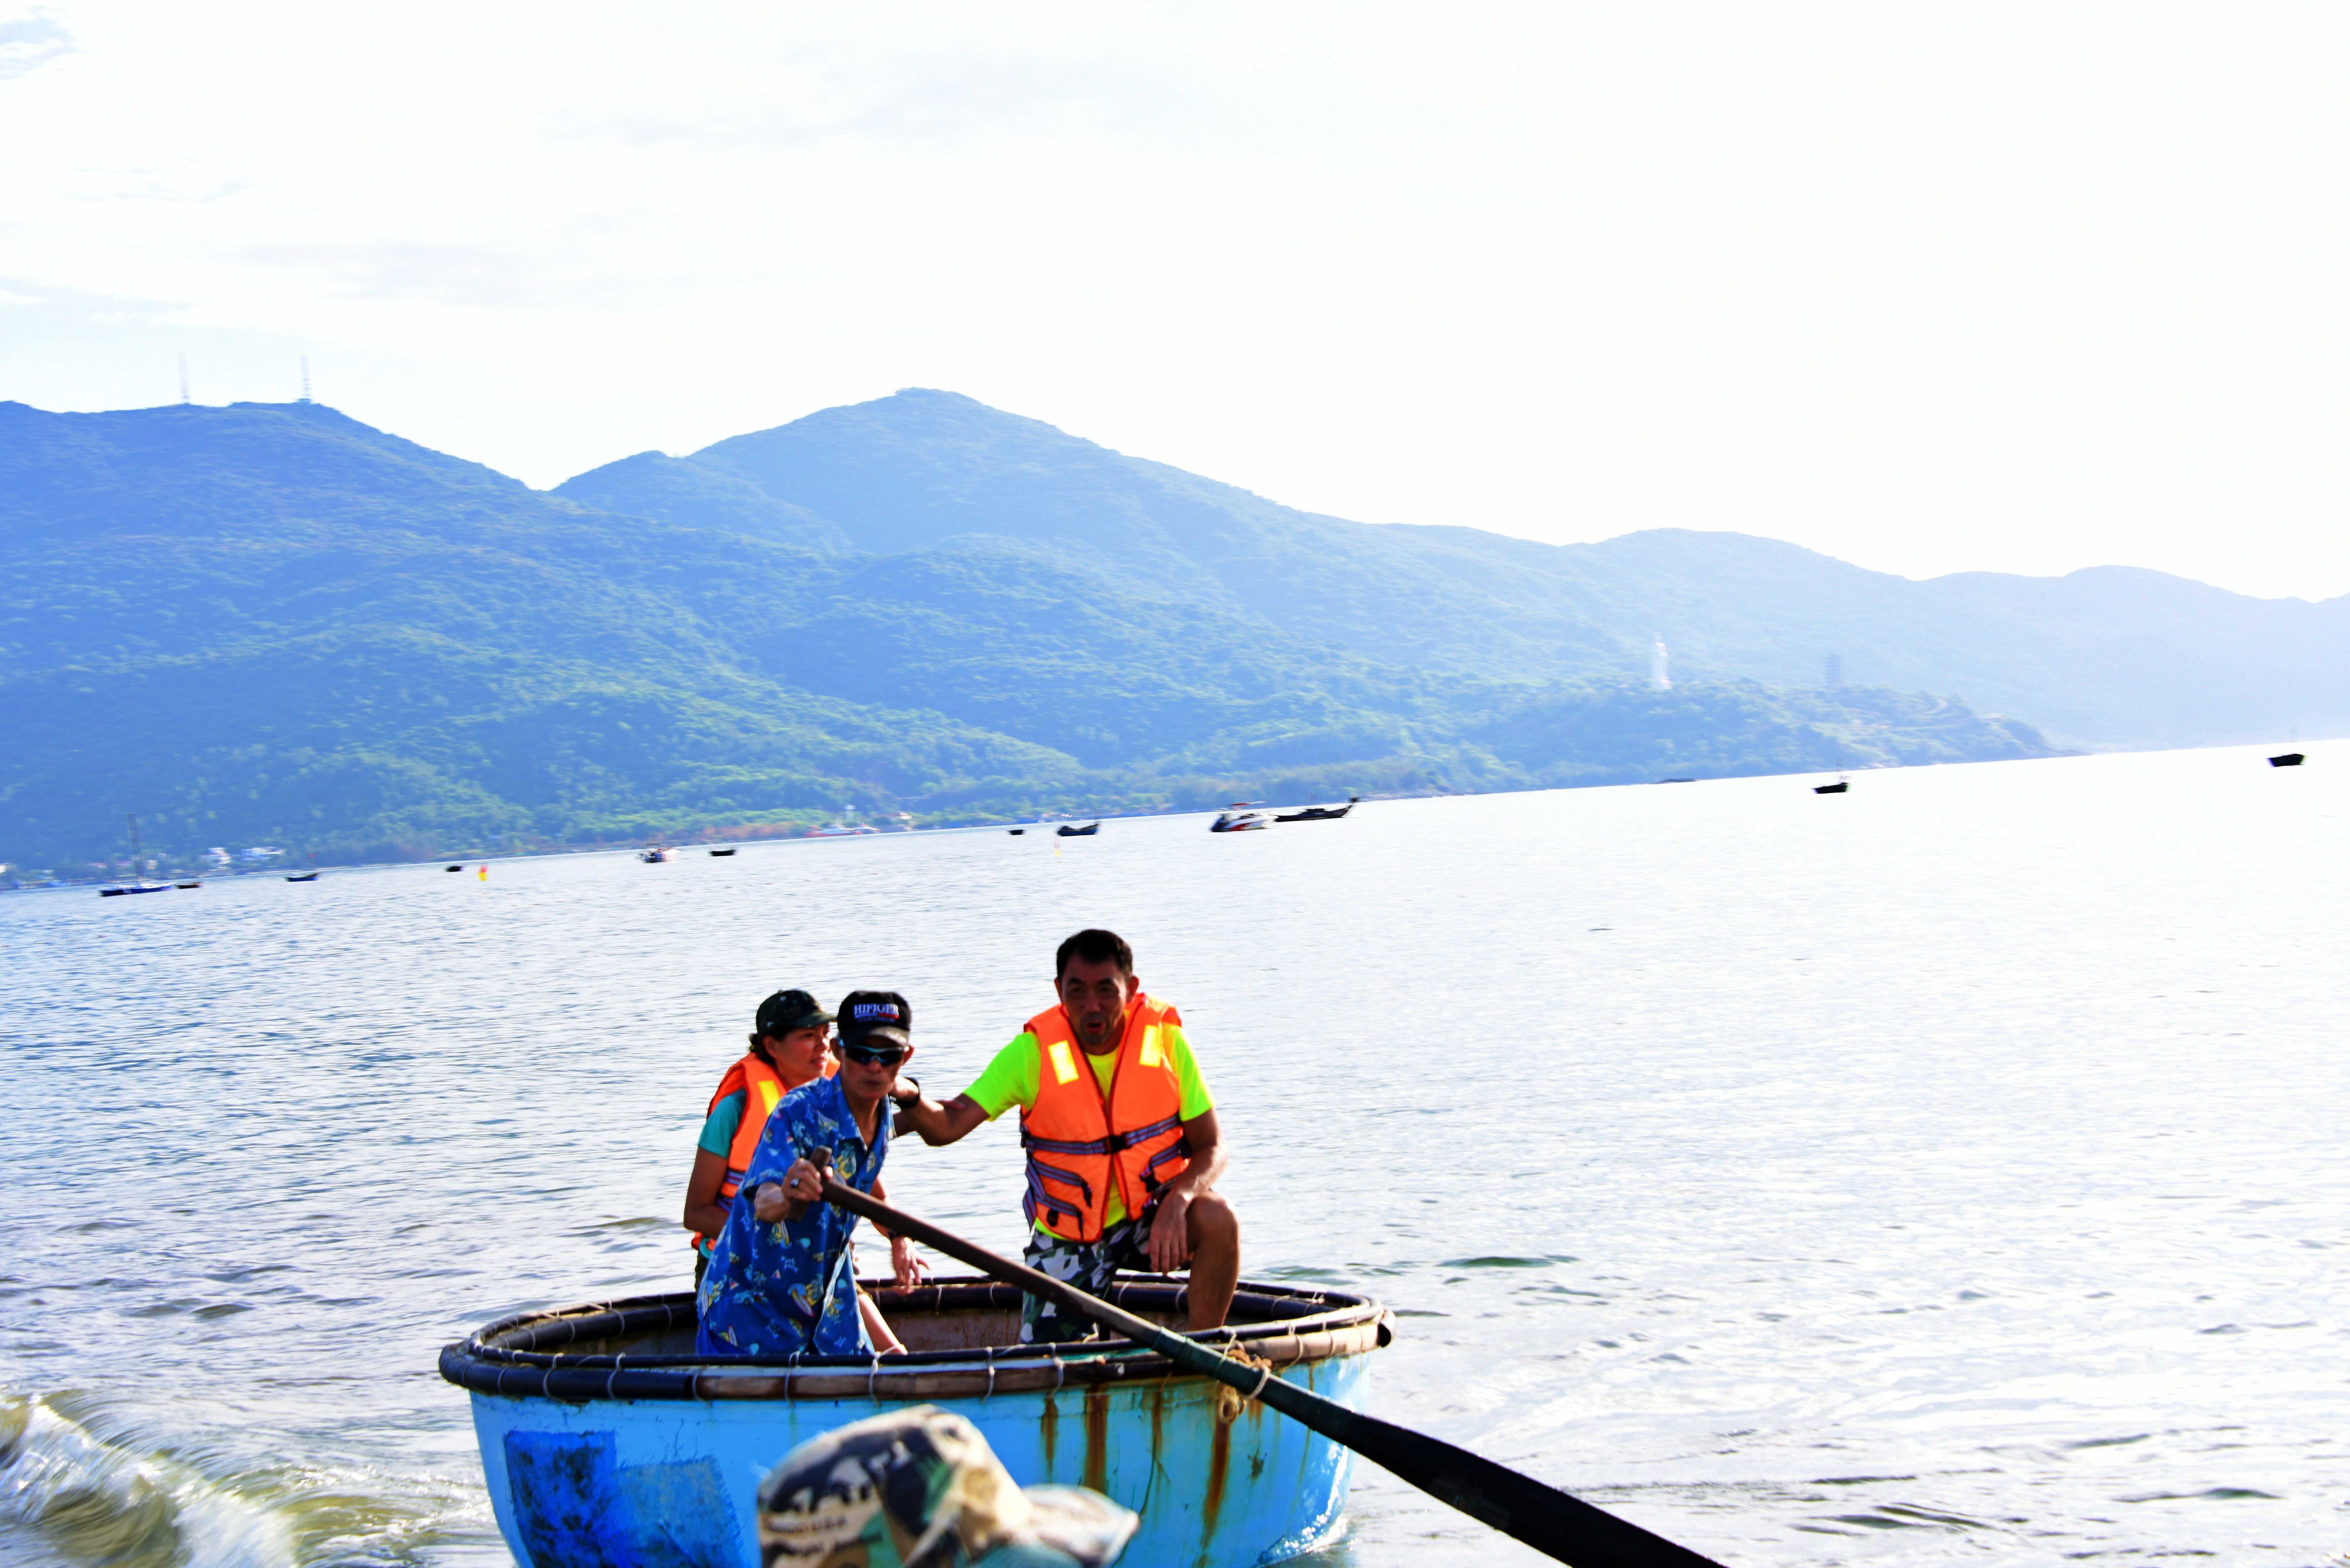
x=2290 y=759
x=484 y=874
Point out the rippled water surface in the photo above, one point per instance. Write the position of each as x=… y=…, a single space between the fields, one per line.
x=1951 y=1170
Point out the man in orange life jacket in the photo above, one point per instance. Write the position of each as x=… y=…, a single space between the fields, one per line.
x=1123 y=1148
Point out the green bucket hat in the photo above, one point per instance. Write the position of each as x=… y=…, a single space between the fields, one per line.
x=920 y=1488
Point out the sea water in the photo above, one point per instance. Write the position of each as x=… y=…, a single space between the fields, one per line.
x=1953 y=1169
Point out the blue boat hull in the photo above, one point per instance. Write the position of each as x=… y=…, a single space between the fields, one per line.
x=580 y=1481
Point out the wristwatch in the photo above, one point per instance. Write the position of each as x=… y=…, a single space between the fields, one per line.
x=912 y=1087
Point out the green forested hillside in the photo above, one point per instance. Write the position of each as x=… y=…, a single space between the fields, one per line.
x=2109 y=656
x=274 y=624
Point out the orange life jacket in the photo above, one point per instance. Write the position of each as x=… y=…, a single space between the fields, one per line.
x=762 y=1091
x=1083 y=1145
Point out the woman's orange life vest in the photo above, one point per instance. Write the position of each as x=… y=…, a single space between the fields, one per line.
x=763 y=1090
x=1083 y=1145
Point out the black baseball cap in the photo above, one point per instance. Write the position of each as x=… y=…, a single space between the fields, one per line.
x=789 y=1010
x=883 y=1017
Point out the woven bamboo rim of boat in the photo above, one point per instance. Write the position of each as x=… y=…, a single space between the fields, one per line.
x=523 y=1356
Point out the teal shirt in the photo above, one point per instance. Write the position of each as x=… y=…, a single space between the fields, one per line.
x=718 y=1132
x=718 y=1138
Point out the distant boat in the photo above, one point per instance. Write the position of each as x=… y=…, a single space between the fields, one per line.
x=1676 y=781
x=138 y=857
x=2290 y=759
x=452 y=868
x=656 y=855
x=1016 y=832
x=1087 y=831
x=1321 y=813
x=305 y=877
x=1836 y=788
x=187 y=885
x=1239 y=820
x=719 y=854
x=838 y=832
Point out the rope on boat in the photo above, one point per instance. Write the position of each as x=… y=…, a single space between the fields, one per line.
x=1230 y=1401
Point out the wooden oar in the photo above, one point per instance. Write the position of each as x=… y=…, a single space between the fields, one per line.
x=1559 y=1526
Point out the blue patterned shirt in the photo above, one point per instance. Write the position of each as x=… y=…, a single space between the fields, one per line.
x=773 y=1290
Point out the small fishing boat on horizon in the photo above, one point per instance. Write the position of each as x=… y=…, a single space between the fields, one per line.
x=656 y=855
x=138 y=858
x=1087 y=831
x=605 y=1440
x=1321 y=813
x=304 y=877
x=1238 y=819
x=721 y=854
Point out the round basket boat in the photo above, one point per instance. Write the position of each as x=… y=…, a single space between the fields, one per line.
x=608 y=1443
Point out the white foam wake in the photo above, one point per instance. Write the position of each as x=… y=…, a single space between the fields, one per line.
x=93 y=1502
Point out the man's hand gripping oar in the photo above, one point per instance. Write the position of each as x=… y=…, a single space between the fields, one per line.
x=1562 y=1527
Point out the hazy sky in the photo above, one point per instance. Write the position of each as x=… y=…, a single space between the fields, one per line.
x=1930 y=288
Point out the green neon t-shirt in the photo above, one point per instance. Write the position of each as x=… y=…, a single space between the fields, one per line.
x=1017 y=1078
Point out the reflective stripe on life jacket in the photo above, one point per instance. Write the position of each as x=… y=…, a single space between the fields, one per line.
x=1083 y=1145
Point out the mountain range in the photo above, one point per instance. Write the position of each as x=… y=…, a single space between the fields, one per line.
x=274 y=622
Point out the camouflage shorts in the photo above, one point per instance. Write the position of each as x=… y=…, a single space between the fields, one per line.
x=1089 y=1266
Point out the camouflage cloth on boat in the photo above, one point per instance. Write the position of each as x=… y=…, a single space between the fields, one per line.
x=920 y=1488
x=775 y=1289
x=1088 y=1265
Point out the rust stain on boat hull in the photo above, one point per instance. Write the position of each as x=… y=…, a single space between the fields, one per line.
x=1220 y=1465
x=1098 y=1438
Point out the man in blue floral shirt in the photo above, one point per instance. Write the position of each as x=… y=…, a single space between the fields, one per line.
x=779 y=1281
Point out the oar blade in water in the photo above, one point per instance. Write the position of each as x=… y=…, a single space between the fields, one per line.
x=1562 y=1527
x=1548 y=1519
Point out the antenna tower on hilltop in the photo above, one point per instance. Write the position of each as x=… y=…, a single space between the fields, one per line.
x=183 y=380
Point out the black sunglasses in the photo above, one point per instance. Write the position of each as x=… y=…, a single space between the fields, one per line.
x=875 y=1055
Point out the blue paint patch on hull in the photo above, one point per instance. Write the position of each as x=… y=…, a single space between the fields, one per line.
x=574 y=1505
